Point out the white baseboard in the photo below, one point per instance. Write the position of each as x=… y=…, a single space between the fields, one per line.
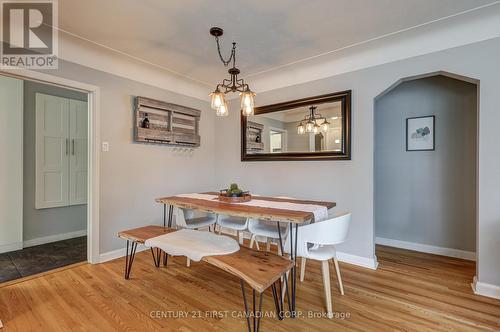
x=53 y=238
x=469 y=255
x=369 y=263
x=110 y=255
x=11 y=247
x=484 y=289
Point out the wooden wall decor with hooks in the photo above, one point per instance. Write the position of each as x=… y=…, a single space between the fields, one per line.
x=169 y=124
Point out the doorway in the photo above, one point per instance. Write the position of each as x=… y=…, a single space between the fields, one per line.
x=426 y=196
x=74 y=181
x=277 y=140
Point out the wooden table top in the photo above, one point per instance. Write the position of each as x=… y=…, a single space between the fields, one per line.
x=241 y=210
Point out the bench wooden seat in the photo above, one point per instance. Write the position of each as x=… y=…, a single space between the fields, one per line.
x=260 y=269
x=141 y=234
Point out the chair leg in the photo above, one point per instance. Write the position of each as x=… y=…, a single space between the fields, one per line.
x=268 y=244
x=220 y=230
x=240 y=237
x=325 y=269
x=253 y=240
x=188 y=262
x=302 y=268
x=337 y=268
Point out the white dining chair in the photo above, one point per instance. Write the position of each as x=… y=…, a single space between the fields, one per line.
x=317 y=241
x=267 y=229
x=239 y=224
x=193 y=219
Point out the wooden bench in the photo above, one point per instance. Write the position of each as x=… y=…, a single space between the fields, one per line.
x=259 y=269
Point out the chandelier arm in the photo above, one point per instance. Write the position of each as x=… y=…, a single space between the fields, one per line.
x=226 y=83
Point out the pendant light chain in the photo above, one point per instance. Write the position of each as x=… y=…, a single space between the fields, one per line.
x=231 y=57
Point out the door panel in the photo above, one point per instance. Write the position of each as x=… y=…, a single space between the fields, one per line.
x=78 y=158
x=52 y=151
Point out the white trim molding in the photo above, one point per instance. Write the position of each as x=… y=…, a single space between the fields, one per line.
x=366 y=262
x=485 y=289
x=53 y=238
x=11 y=247
x=369 y=263
x=450 y=252
x=118 y=253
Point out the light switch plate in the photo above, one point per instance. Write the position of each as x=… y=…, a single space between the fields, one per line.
x=105 y=146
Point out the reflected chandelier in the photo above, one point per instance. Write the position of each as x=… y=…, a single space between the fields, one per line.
x=310 y=123
x=233 y=84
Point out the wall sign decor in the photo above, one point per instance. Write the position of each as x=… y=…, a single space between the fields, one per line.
x=420 y=133
x=164 y=123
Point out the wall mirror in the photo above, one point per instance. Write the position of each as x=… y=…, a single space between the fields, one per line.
x=314 y=128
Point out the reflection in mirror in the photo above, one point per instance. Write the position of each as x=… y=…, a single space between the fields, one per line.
x=311 y=128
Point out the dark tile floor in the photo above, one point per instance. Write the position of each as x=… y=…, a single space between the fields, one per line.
x=45 y=257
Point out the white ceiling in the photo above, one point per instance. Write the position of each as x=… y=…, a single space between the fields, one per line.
x=270 y=34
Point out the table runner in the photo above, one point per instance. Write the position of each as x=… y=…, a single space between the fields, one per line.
x=320 y=212
x=193 y=244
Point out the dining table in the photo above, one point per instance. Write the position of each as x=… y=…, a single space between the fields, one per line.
x=276 y=209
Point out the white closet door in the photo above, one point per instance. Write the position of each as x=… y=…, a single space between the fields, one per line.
x=78 y=157
x=52 y=151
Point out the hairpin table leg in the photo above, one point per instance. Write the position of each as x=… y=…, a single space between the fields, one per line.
x=129 y=258
x=156 y=252
x=256 y=313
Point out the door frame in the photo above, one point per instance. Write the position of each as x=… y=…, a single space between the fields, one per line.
x=94 y=141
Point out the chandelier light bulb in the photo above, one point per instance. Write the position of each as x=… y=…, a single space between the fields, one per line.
x=301 y=129
x=223 y=110
x=217 y=99
x=324 y=126
x=247 y=110
x=309 y=127
x=315 y=129
x=247 y=99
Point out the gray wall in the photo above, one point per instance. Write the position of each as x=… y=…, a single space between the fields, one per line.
x=351 y=183
x=427 y=197
x=44 y=222
x=133 y=174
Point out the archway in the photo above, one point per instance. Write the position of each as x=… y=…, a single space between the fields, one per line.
x=425 y=198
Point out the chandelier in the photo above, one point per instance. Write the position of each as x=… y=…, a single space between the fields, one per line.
x=310 y=123
x=233 y=84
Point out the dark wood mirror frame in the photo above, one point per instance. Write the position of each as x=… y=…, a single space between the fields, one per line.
x=344 y=154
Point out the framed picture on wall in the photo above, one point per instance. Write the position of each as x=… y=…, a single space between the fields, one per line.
x=420 y=133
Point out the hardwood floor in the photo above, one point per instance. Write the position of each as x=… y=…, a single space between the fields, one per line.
x=410 y=291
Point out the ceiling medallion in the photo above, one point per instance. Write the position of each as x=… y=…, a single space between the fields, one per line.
x=310 y=123
x=233 y=84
